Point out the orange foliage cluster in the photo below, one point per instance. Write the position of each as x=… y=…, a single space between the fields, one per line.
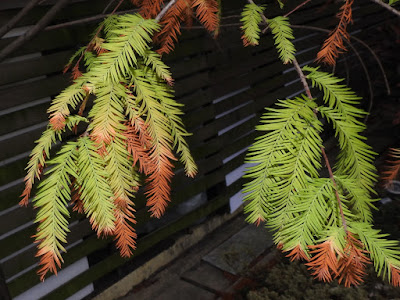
x=333 y=45
x=181 y=11
x=155 y=161
x=327 y=262
x=351 y=266
x=48 y=261
x=392 y=171
x=125 y=235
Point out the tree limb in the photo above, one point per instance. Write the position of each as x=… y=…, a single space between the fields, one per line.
x=47 y=18
x=11 y=23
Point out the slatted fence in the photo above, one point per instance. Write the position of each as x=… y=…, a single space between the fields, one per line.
x=224 y=87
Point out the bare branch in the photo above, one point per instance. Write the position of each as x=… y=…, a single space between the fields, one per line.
x=387 y=6
x=47 y=18
x=164 y=10
x=10 y=24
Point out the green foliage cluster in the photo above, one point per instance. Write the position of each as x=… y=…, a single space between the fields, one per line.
x=287 y=190
x=127 y=82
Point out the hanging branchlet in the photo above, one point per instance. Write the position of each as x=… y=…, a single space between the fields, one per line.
x=134 y=125
x=325 y=221
x=283 y=34
x=251 y=19
x=334 y=44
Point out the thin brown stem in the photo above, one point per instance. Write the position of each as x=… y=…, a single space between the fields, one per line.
x=302 y=78
x=296 y=8
x=387 y=6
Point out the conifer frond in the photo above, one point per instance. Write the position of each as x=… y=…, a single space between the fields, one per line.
x=336 y=95
x=360 y=200
x=107 y=113
x=334 y=45
x=324 y=262
x=351 y=265
x=384 y=253
x=355 y=159
x=95 y=190
x=37 y=161
x=297 y=253
x=251 y=19
x=133 y=119
x=311 y=213
x=393 y=168
x=77 y=54
x=171 y=23
x=121 y=180
x=153 y=60
x=108 y=25
x=325 y=255
x=138 y=144
x=207 y=12
x=52 y=201
x=68 y=99
x=158 y=187
x=269 y=150
x=280 y=28
x=172 y=111
x=150 y=8
x=129 y=41
x=298 y=159
x=124 y=233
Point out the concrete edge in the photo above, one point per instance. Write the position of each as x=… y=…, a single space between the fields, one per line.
x=182 y=244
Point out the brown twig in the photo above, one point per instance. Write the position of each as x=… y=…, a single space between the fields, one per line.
x=296 y=8
x=302 y=78
x=387 y=6
x=10 y=24
x=47 y=18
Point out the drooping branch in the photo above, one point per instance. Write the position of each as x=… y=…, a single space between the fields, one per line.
x=308 y=93
x=47 y=18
